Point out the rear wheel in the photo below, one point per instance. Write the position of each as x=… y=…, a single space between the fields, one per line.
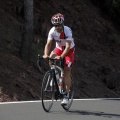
x=47 y=91
x=71 y=94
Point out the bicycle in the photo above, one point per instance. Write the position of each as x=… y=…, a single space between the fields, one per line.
x=51 y=89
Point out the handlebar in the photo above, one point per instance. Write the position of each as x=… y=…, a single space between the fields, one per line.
x=51 y=59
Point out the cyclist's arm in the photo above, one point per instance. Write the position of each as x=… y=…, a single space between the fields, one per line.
x=67 y=48
x=47 y=47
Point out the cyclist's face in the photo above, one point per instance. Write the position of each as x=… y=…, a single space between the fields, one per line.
x=58 y=28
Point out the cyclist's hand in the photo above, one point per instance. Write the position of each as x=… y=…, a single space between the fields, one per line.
x=45 y=56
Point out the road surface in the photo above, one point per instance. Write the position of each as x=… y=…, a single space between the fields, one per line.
x=84 y=109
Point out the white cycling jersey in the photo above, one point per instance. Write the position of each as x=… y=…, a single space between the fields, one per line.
x=59 y=37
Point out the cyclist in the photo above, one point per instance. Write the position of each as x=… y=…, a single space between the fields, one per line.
x=64 y=48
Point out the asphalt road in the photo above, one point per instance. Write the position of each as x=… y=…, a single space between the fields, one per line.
x=95 y=109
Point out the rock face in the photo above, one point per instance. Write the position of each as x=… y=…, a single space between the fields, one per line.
x=96 y=70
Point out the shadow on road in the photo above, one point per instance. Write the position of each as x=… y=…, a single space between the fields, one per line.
x=79 y=112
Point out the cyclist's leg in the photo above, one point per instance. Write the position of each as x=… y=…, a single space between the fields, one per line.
x=55 y=52
x=67 y=78
x=67 y=83
x=52 y=55
x=69 y=59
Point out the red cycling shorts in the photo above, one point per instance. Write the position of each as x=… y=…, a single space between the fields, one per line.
x=69 y=58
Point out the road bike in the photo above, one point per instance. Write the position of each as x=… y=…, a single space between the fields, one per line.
x=53 y=85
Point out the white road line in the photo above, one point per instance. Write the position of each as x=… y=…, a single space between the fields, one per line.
x=16 y=102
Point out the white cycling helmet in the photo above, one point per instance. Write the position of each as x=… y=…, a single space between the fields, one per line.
x=57 y=19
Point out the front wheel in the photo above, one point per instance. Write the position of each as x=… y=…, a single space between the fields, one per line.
x=47 y=91
x=71 y=94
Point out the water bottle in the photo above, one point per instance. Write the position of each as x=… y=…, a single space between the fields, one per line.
x=60 y=84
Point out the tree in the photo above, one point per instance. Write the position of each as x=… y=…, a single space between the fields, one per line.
x=26 y=43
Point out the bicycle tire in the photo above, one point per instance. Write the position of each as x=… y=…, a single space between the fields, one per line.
x=47 y=91
x=71 y=94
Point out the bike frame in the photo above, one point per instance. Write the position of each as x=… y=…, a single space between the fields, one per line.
x=52 y=69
